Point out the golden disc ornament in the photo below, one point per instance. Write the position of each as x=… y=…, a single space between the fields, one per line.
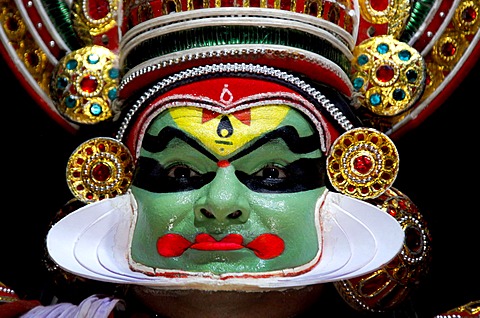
x=99 y=168
x=363 y=163
x=388 y=74
x=84 y=85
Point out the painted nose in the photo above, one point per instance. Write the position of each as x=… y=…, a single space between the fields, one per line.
x=223 y=203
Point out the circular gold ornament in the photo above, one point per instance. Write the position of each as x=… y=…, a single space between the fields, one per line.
x=363 y=163
x=99 y=168
x=389 y=74
x=84 y=85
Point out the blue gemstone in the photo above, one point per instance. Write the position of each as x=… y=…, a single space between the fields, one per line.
x=70 y=101
x=71 y=64
x=412 y=76
x=404 y=55
x=62 y=82
x=95 y=109
x=358 y=83
x=362 y=60
x=93 y=58
x=398 y=94
x=375 y=99
x=382 y=48
x=112 y=93
x=113 y=73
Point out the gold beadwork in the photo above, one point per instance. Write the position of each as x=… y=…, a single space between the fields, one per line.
x=394 y=15
x=99 y=168
x=363 y=163
x=84 y=85
x=86 y=26
x=389 y=75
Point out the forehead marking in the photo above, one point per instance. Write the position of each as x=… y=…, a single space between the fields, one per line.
x=224 y=133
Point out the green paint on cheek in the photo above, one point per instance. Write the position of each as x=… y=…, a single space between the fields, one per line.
x=289 y=216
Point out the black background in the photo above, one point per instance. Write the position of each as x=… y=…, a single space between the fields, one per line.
x=439 y=171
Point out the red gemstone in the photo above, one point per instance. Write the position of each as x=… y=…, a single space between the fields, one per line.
x=98 y=9
x=392 y=211
x=101 y=172
x=362 y=164
x=449 y=49
x=89 y=84
x=379 y=5
x=469 y=14
x=385 y=73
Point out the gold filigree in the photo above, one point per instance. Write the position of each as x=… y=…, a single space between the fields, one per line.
x=84 y=85
x=449 y=48
x=99 y=168
x=389 y=75
x=395 y=14
x=363 y=163
x=467 y=17
x=32 y=56
x=86 y=26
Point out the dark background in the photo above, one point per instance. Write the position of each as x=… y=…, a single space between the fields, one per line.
x=439 y=171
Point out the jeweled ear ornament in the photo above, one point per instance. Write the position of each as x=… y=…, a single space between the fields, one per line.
x=363 y=163
x=84 y=85
x=99 y=168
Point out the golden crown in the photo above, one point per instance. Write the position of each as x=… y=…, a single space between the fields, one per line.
x=396 y=60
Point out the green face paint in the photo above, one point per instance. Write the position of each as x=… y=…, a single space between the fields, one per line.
x=251 y=210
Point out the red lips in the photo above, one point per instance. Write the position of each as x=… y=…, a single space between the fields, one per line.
x=265 y=246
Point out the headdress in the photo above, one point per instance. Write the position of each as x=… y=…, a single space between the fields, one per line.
x=369 y=69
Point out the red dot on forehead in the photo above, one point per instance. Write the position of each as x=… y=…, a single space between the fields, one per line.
x=223 y=163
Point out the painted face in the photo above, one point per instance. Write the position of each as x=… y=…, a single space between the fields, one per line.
x=230 y=193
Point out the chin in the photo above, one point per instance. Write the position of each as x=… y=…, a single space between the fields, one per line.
x=189 y=303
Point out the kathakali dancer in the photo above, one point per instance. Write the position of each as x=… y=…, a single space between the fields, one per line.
x=238 y=156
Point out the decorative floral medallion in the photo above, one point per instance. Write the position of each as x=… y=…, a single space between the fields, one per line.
x=363 y=163
x=84 y=85
x=99 y=168
x=389 y=74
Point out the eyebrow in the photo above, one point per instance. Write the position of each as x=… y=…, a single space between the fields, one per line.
x=288 y=134
x=158 y=143
x=297 y=144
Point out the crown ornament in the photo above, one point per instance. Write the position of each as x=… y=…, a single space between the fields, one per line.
x=428 y=45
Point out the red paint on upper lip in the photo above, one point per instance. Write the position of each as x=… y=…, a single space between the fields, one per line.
x=265 y=246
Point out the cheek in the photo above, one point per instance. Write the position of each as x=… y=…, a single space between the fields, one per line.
x=165 y=211
x=288 y=213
